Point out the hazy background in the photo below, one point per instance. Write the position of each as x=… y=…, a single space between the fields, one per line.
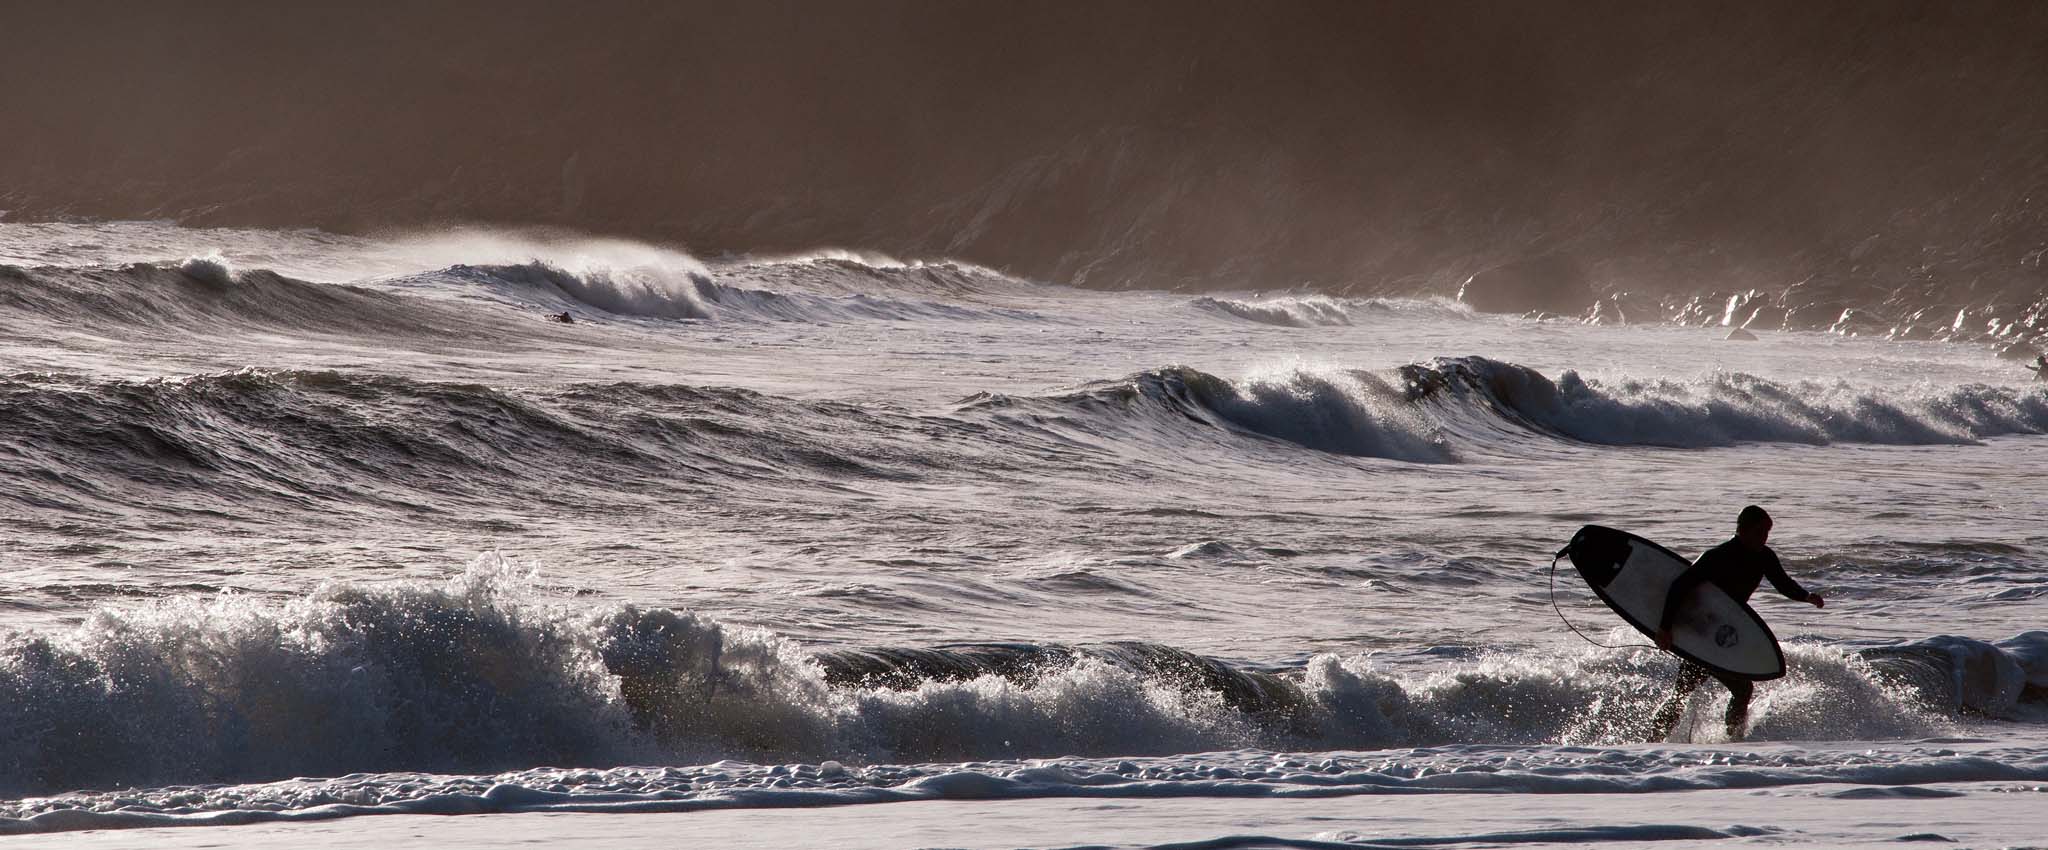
x=1352 y=146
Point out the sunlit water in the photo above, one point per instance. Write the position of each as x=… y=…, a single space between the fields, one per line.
x=297 y=504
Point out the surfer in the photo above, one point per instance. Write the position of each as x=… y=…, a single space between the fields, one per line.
x=2040 y=367
x=1737 y=567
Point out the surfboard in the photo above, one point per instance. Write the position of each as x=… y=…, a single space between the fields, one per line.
x=1633 y=576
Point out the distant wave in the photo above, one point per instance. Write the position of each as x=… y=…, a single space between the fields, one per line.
x=818 y=289
x=1307 y=311
x=207 y=294
x=1434 y=412
x=475 y=676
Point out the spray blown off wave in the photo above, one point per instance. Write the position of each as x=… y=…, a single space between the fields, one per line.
x=475 y=675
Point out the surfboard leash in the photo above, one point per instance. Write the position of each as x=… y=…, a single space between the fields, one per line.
x=1568 y=623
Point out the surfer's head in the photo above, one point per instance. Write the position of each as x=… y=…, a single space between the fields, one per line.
x=1753 y=527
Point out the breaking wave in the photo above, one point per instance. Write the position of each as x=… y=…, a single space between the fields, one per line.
x=1437 y=411
x=478 y=675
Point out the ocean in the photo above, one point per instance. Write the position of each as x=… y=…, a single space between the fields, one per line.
x=305 y=527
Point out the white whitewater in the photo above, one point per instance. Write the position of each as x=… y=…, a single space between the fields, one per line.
x=306 y=526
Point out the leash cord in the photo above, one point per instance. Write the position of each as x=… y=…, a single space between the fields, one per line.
x=1568 y=623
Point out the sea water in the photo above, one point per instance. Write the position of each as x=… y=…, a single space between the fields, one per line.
x=302 y=526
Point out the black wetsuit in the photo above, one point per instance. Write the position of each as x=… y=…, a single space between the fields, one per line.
x=1737 y=570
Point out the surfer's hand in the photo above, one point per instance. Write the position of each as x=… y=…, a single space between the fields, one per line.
x=1664 y=639
x=1816 y=600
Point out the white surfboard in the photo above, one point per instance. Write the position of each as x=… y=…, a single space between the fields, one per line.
x=1633 y=576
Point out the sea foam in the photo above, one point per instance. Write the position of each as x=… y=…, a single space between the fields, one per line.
x=477 y=674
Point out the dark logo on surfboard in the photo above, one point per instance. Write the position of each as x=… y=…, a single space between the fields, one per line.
x=1725 y=636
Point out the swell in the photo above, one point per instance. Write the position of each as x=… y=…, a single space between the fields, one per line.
x=1439 y=411
x=477 y=675
x=306 y=439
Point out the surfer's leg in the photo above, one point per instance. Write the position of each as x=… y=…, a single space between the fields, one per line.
x=1690 y=677
x=1739 y=692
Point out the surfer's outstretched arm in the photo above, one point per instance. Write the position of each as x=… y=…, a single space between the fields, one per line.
x=1775 y=571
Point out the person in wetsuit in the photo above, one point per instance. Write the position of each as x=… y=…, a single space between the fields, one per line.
x=2040 y=367
x=1736 y=567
